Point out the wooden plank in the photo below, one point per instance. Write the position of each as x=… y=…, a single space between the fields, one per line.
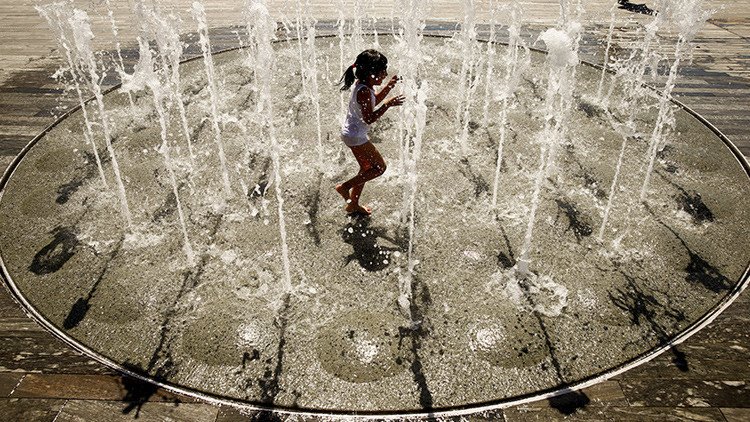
x=736 y=414
x=113 y=411
x=607 y=393
x=629 y=414
x=687 y=393
x=30 y=410
x=43 y=353
x=8 y=382
x=91 y=387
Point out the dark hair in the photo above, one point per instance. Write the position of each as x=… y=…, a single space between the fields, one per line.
x=368 y=61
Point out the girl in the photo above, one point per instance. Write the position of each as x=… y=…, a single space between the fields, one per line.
x=369 y=70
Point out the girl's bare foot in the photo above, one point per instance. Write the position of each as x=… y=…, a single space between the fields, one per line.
x=357 y=209
x=343 y=192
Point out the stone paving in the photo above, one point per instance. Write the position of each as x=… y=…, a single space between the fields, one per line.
x=705 y=378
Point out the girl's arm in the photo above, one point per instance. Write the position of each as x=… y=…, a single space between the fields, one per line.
x=386 y=89
x=370 y=115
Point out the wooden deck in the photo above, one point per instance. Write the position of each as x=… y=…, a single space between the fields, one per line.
x=707 y=378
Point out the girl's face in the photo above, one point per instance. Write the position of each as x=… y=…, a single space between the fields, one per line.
x=378 y=77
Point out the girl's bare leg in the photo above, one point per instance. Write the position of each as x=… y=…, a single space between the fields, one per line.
x=354 y=197
x=371 y=165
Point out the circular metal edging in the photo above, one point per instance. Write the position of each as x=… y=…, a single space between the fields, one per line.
x=492 y=405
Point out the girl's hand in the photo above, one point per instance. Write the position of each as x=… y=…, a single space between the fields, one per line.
x=393 y=81
x=395 y=101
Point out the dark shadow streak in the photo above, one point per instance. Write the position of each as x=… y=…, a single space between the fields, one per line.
x=312 y=204
x=52 y=257
x=162 y=351
x=416 y=332
x=570 y=402
x=698 y=269
x=81 y=306
x=576 y=223
x=588 y=179
x=574 y=400
x=635 y=7
x=65 y=191
x=480 y=185
x=269 y=383
x=690 y=202
x=643 y=307
x=137 y=392
x=261 y=187
x=503 y=260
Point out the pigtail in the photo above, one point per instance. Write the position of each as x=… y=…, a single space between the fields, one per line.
x=347 y=79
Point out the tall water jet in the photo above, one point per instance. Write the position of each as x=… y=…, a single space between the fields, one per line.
x=313 y=92
x=605 y=64
x=115 y=34
x=405 y=290
x=83 y=36
x=308 y=58
x=412 y=123
x=301 y=20
x=688 y=18
x=357 y=38
x=170 y=51
x=514 y=67
x=491 y=52
x=340 y=22
x=615 y=180
x=53 y=14
x=561 y=59
x=632 y=72
x=467 y=40
x=145 y=74
x=262 y=32
x=564 y=81
x=161 y=84
x=84 y=60
x=199 y=14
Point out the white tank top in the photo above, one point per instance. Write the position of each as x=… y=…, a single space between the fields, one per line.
x=354 y=126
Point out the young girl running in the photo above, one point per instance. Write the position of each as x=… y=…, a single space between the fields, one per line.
x=370 y=69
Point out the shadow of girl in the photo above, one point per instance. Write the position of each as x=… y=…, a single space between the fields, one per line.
x=364 y=240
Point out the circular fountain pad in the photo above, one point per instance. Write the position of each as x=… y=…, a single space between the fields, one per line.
x=339 y=339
